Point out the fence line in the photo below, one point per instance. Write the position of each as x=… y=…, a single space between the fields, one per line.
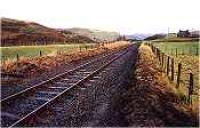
x=181 y=51
x=40 y=53
x=166 y=66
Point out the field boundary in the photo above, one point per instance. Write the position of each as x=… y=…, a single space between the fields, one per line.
x=167 y=65
x=39 y=52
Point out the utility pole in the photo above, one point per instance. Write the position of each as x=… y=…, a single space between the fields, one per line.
x=168 y=34
x=192 y=32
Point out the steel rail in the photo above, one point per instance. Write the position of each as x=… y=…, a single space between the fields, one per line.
x=52 y=100
x=13 y=96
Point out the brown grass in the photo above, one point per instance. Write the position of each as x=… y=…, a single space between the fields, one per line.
x=148 y=64
x=28 y=65
x=148 y=70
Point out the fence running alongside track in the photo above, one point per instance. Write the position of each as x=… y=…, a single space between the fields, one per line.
x=175 y=72
x=181 y=51
x=16 y=54
x=37 y=51
x=179 y=48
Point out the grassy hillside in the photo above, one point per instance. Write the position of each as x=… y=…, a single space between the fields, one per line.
x=16 y=32
x=95 y=34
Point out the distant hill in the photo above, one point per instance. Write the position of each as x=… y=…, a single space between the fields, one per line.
x=95 y=34
x=156 y=36
x=16 y=32
x=138 y=36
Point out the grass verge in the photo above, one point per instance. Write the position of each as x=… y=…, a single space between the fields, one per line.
x=29 y=66
x=162 y=96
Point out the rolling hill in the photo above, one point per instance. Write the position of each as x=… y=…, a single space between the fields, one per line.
x=16 y=32
x=138 y=36
x=95 y=34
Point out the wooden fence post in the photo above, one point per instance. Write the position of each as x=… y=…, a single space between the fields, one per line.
x=40 y=53
x=159 y=56
x=168 y=65
x=178 y=75
x=17 y=56
x=162 y=64
x=172 y=69
x=156 y=51
x=190 y=89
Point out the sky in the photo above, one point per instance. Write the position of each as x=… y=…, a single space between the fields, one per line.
x=123 y=16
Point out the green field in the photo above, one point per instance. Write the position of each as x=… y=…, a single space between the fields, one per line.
x=33 y=51
x=183 y=48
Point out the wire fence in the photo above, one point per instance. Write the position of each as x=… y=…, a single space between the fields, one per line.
x=176 y=73
x=15 y=54
x=181 y=51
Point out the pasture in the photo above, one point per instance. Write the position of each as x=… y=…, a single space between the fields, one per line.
x=182 y=48
x=33 y=51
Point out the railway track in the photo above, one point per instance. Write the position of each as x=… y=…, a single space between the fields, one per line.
x=19 y=108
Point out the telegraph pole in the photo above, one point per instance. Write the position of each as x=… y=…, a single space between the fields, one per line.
x=192 y=32
x=168 y=34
